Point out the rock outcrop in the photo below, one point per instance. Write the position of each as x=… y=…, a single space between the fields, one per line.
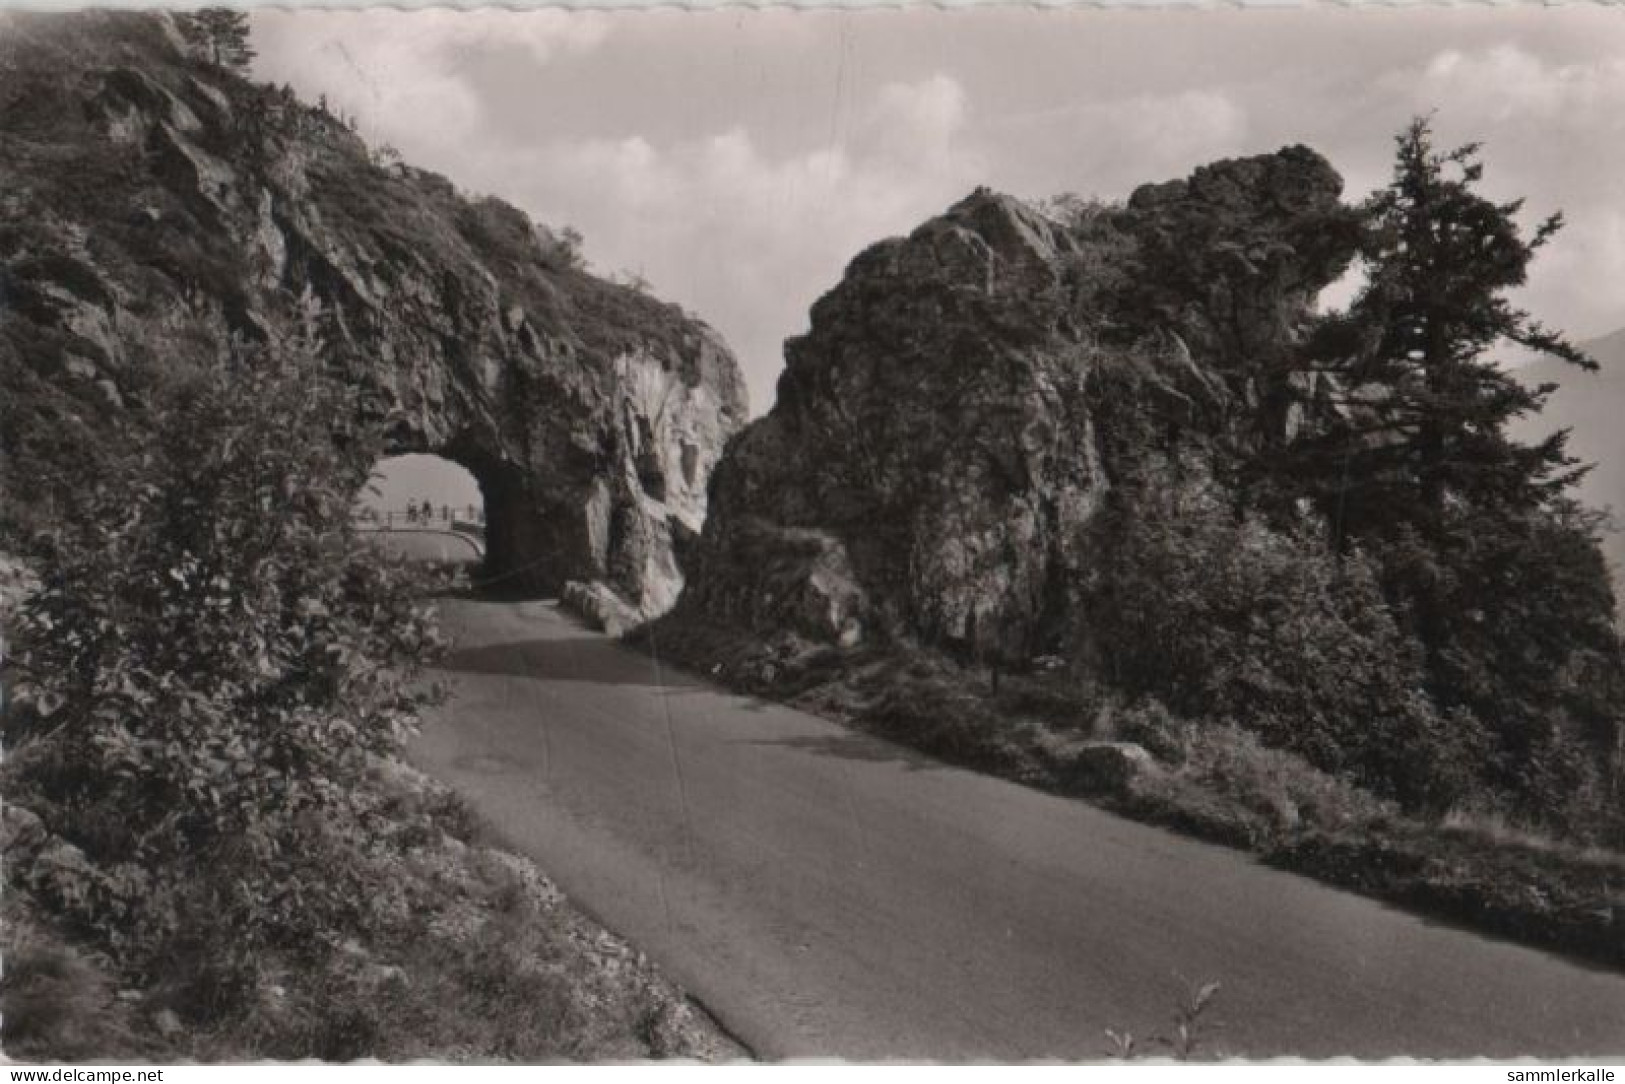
x=945 y=431
x=145 y=195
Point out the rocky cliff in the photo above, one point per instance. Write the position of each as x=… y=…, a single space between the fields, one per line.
x=146 y=196
x=951 y=422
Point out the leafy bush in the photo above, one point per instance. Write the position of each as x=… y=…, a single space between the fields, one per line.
x=209 y=666
x=1151 y=726
x=1276 y=784
x=561 y=249
x=1224 y=618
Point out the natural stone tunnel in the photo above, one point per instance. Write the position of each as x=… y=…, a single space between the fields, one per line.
x=590 y=413
x=602 y=485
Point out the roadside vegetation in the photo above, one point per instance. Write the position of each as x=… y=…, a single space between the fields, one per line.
x=212 y=847
x=1213 y=779
x=1188 y=1036
x=1377 y=647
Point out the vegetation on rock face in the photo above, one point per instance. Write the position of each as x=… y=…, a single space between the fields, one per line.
x=219 y=35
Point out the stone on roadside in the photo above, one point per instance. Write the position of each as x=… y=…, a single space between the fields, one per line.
x=600 y=606
x=1108 y=767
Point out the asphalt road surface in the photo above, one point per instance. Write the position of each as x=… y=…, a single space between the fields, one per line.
x=828 y=894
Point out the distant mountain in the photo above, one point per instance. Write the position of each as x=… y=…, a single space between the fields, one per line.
x=1593 y=406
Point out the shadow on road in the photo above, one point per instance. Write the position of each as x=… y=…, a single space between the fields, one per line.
x=589 y=659
x=856 y=747
x=681 y=684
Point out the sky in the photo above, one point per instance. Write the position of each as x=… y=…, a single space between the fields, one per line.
x=403 y=481
x=739 y=159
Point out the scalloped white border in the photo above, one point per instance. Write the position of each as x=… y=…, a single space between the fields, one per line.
x=811 y=5
x=1157 y=1070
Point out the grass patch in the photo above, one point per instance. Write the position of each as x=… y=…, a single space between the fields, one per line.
x=60 y=1004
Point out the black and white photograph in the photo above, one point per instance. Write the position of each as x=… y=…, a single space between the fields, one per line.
x=745 y=535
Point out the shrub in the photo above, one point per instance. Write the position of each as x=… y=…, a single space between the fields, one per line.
x=1276 y=784
x=1152 y=727
x=561 y=249
x=1223 y=617
x=210 y=663
x=1517 y=615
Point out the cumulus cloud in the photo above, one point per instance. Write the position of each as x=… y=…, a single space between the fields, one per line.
x=746 y=237
x=1586 y=274
x=1505 y=83
x=1170 y=131
x=407 y=81
x=914 y=123
x=1110 y=144
x=1553 y=131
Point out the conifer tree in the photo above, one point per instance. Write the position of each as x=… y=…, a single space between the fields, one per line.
x=1417 y=443
x=1422 y=412
x=219 y=35
x=1485 y=557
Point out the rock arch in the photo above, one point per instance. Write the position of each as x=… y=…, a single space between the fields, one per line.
x=602 y=484
x=590 y=413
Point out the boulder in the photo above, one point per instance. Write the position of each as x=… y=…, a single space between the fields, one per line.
x=953 y=419
x=785 y=579
x=1107 y=767
x=600 y=606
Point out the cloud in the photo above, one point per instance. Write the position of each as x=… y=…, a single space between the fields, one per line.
x=739 y=161
x=1580 y=278
x=743 y=236
x=1168 y=130
x=1505 y=83
x=1110 y=145
x=405 y=76
x=914 y=123
x=1553 y=131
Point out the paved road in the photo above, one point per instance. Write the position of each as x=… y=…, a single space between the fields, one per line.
x=828 y=894
x=425 y=544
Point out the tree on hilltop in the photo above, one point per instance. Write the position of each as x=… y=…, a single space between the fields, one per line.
x=220 y=36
